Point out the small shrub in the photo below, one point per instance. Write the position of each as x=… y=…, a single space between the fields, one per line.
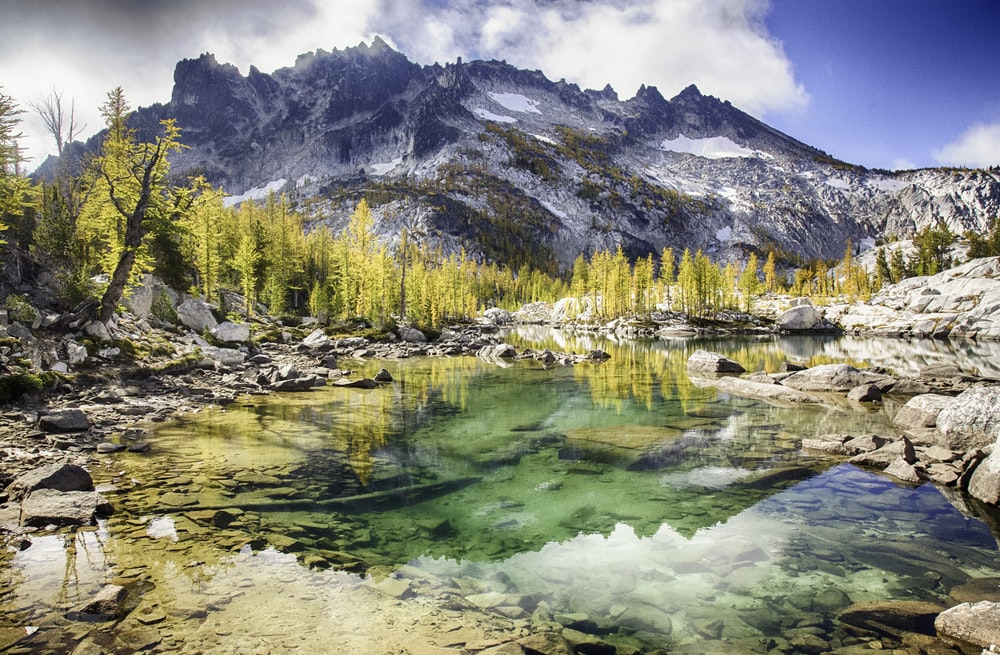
x=19 y=309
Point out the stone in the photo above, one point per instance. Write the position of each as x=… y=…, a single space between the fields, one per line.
x=972 y=623
x=497 y=316
x=864 y=444
x=58 y=477
x=108 y=447
x=106 y=605
x=887 y=454
x=803 y=317
x=97 y=330
x=922 y=411
x=831 y=378
x=197 y=315
x=829 y=443
x=75 y=353
x=412 y=335
x=903 y=470
x=892 y=617
x=383 y=376
x=865 y=393
x=972 y=419
x=360 y=383
x=394 y=587
x=775 y=393
x=984 y=484
x=63 y=421
x=546 y=643
x=230 y=332
x=62 y=508
x=708 y=362
x=316 y=339
x=498 y=351
x=302 y=383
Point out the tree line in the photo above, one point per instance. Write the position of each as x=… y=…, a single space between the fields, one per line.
x=123 y=214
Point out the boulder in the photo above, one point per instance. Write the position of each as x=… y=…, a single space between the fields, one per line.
x=75 y=353
x=497 y=316
x=360 y=383
x=196 y=314
x=972 y=419
x=63 y=508
x=412 y=335
x=299 y=383
x=98 y=330
x=62 y=421
x=865 y=393
x=921 y=411
x=59 y=477
x=832 y=377
x=383 y=376
x=887 y=454
x=903 y=470
x=230 y=332
x=316 y=339
x=702 y=361
x=803 y=317
x=774 y=393
x=497 y=351
x=984 y=484
x=972 y=623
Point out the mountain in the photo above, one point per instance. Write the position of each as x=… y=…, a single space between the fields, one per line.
x=514 y=167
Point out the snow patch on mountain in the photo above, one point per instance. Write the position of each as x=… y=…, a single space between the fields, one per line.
x=256 y=193
x=487 y=115
x=381 y=168
x=717 y=147
x=884 y=184
x=838 y=183
x=516 y=102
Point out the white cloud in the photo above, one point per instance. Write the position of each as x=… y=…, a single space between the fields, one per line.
x=976 y=147
x=721 y=46
x=903 y=164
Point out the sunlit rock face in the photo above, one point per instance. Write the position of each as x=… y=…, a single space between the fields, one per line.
x=517 y=168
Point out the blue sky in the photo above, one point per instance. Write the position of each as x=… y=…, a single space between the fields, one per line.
x=881 y=83
x=891 y=82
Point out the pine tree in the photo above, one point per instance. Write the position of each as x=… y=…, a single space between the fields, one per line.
x=749 y=282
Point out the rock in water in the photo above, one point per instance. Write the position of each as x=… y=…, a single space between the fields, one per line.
x=708 y=362
x=59 y=477
x=921 y=411
x=972 y=419
x=977 y=624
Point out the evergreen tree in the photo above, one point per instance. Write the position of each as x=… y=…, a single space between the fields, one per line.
x=749 y=282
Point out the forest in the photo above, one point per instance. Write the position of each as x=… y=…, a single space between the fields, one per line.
x=98 y=227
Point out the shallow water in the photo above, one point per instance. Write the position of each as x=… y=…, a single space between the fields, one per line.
x=616 y=499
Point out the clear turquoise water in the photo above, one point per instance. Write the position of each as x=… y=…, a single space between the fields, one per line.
x=617 y=499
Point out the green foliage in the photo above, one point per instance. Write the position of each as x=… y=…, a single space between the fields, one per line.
x=933 y=244
x=987 y=245
x=13 y=387
x=20 y=309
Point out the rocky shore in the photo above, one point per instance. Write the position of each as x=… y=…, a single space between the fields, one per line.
x=77 y=390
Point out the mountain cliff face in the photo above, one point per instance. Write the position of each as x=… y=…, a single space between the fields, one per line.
x=514 y=167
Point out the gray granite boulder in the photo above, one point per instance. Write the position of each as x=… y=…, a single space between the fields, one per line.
x=703 y=361
x=973 y=623
x=972 y=419
x=62 y=421
x=922 y=411
x=59 y=477
x=985 y=481
x=832 y=378
x=230 y=332
x=197 y=315
x=63 y=508
x=803 y=317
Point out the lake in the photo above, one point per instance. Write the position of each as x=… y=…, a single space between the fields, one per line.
x=615 y=499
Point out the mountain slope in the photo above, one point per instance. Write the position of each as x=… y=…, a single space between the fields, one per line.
x=515 y=167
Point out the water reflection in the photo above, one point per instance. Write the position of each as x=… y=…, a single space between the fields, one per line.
x=618 y=493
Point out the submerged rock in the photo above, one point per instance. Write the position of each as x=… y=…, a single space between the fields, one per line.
x=893 y=617
x=107 y=605
x=50 y=507
x=832 y=378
